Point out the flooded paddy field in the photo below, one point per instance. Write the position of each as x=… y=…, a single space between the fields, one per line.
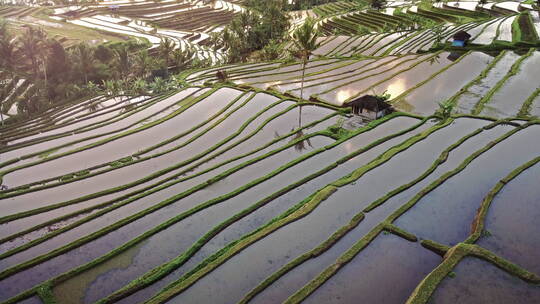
x=265 y=185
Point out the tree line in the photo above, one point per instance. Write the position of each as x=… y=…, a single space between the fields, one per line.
x=60 y=73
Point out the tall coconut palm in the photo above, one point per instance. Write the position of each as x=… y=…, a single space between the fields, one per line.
x=84 y=55
x=143 y=63
x=305 y=42
x=30 y=47
x=165 y=49
x=122 y=62
x=8 y=46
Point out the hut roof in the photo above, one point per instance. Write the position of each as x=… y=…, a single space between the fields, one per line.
x=462 y=35
x=370 y=103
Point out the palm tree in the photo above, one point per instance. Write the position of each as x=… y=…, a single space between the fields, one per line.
x=305 y=42
x=8 y=46
x=84 y=55
x=30 y=47
x=143 y=63
x=122 y=62
x=165 y=50
x=182 y=58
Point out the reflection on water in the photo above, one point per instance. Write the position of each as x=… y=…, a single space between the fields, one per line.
x=512 y=221
x=387 y=261
x=344 y=94
x=396 y=86
x=478 y=281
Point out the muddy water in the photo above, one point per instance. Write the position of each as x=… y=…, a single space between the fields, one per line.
x=295 y=279
x=478 y=281
x=345 y=66
x=280 y=125
x=425 y=100
x=445 y=214
x=469 y=99
x=381 y=44
x=281 y=204
x=345 y=45
x=512 y=221
x=358 y=45
x=387 y=261
x=108 y=108
x=84 y=120
x=276 y=80
x=32 y=300
x=408 y=79
x=507 y=101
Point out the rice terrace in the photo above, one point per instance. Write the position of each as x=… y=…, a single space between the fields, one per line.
x=269 y=151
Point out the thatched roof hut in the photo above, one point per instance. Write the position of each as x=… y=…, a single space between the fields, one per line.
x=370 y=106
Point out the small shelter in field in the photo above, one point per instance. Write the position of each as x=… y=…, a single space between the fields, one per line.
x=460 y=38
x=369 y=106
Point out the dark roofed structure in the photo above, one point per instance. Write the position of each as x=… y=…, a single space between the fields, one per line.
x=462 y=35
x=369 y=106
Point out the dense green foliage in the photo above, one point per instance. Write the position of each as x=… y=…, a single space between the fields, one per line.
x=259 y=29
x=59 y=73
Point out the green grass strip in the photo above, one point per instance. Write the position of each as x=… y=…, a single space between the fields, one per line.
x=372 y=75
x=106 y=204
x=427 y=286
x=524 y=112
x=152 y=189
x=86 y=129
x=438 y=248
x=158 y=173
x=479 y=106
x=362 y=72
x=46 y=295
x=390 y=77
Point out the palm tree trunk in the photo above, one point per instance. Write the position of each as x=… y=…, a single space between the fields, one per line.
x=302 y=92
